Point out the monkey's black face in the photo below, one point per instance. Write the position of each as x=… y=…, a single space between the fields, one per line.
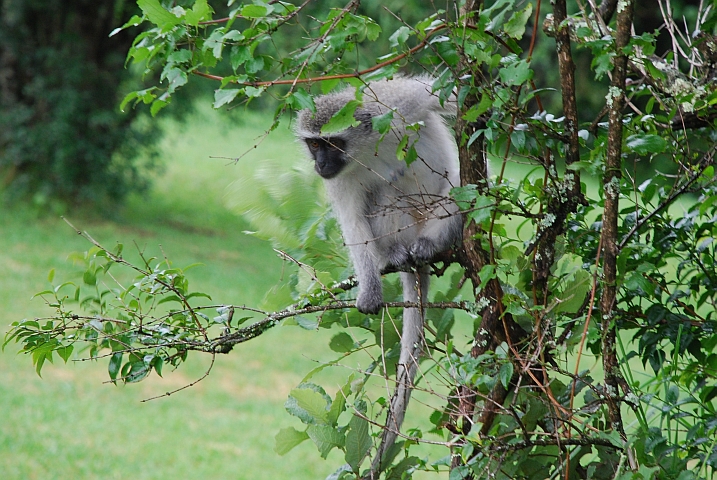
x=329 y=155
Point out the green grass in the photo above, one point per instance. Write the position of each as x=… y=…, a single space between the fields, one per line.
x=72 y=425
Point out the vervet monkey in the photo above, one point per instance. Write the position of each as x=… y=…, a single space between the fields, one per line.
x=391 y=214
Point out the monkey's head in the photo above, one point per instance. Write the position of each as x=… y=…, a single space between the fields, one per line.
x=329 y=155
x=333 y=153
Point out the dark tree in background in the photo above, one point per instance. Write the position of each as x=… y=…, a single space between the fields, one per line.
x=61 y=81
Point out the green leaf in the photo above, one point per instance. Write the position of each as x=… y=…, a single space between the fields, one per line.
x=198 y=294
x=287 y=439
x=309 y=405
x=341 y=473
x=65 y=351
x=137 y=372
x=373 y=30
x=515 y=26
x=175 y=77
x=127 y=98
x=339 y=403
x=115 y=365
x=318 y=369
x=254 y=11
x=158 y=15
x=481 y=210
x=132 y=22
x=411 y=155
x=672 y=396
x=253 y=92
x=358 y=442
x=180 y=56
x=574 y=293
x=342 y=343
x=157 y=363
x=613 y=436
x=306 y=323
x=225 y=95
x=255 y=64
x=325 y=438
x=446 y=49
x=239 y=55
x=654 y=72
x=382 y=123
x=157 y=105
x=646 y=143
x=402 y=147
x=89 y=278
x=300 y=100
x=199 y=12
x=342 y=119
x=215 y=43
x=39 y=359
x=505 y=374
x=401 y=469
x=486 y=273
x=516 y=74
x=464 y=195
x=400 y=36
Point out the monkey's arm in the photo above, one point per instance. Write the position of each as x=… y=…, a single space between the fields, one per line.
x=360 y=240
x=370 y=295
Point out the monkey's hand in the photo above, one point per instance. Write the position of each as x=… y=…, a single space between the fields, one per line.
x=370 y=297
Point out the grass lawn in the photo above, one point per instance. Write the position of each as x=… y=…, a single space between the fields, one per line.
x=69 y=424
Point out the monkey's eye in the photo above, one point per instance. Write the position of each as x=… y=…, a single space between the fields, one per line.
x=314 y=144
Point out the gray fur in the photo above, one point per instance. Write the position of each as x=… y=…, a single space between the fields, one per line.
x=391 y=214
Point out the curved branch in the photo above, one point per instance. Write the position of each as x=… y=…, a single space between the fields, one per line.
x=225 y=343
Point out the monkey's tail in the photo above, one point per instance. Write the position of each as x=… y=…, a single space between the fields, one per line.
x=415 y=288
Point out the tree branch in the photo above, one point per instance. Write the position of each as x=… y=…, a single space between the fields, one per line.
x=356 y=74
x=611 y=189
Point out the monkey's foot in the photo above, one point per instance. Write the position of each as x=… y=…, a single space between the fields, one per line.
x=398 y=255
x=422 y=251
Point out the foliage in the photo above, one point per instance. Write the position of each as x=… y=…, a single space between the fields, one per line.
x=62 y=135
x=620 y=270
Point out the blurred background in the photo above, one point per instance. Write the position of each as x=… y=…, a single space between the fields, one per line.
x=67 y=150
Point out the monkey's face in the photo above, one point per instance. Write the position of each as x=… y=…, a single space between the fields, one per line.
x=329 y=155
